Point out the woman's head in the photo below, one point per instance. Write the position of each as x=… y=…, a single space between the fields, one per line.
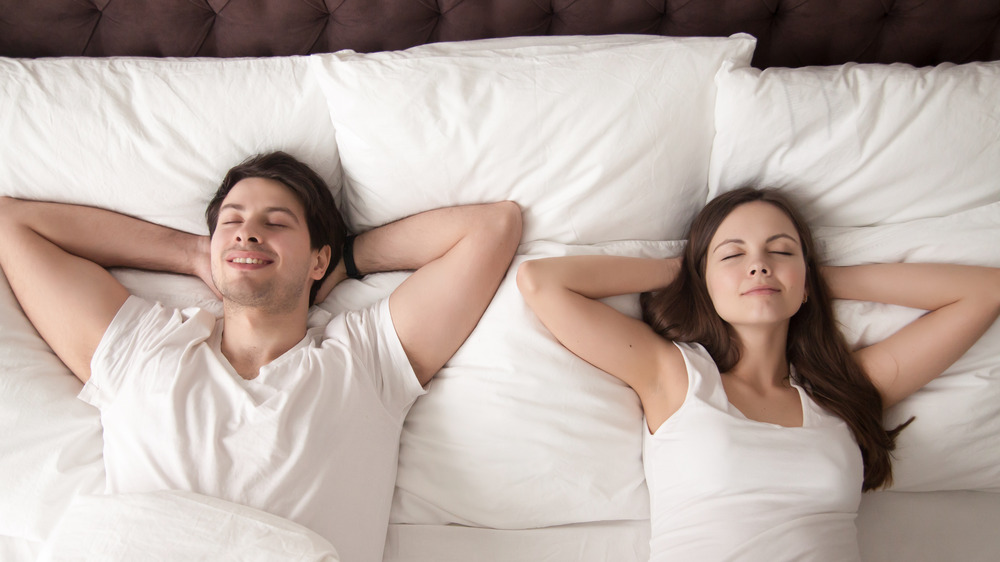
x=751 y=255
x=732 y=241
x=749 y=259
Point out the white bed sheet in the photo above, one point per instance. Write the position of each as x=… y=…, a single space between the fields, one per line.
x=19 y=549
x=623 y=541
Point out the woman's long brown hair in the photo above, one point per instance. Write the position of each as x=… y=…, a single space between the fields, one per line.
x=683 y=311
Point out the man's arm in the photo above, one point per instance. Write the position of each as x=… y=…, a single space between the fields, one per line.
x=460 y=255
x=55 y=255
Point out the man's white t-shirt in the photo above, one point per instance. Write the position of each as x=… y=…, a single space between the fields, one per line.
x=313 y=438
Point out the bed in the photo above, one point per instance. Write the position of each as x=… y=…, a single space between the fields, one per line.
x=611 y=122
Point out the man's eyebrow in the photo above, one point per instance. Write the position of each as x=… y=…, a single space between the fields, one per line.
x=283 y=210
x=768 y=241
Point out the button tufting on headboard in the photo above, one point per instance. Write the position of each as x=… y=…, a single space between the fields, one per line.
x=790 y=32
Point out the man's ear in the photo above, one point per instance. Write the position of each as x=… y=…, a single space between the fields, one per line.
x=322 y=263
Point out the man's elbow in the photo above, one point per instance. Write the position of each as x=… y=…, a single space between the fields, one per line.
x=506 y=218
x=8 y=211
x=11 y=217
x=498 y=230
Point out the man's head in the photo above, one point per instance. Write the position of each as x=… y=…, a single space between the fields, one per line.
x=323 y=221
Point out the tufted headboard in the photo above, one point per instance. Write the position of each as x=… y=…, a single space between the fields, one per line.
x=789 y=32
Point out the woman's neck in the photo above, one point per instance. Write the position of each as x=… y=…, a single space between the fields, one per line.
x=763 y=357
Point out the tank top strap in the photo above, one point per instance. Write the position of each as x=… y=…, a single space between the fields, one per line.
x=813 y=415
x=704 y=379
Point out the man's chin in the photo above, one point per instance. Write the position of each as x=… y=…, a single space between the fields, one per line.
x=258 y=299
x=244 y=295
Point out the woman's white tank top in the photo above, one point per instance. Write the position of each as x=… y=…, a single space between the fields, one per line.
x=724 y=487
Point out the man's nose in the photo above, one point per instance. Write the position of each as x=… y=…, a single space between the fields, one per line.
x=247 y=233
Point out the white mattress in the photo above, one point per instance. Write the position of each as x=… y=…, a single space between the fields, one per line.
x=892 y=527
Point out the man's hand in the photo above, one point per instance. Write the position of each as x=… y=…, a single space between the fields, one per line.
x=202 y=264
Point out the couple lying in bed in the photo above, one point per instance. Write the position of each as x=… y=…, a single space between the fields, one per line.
x=763 y=428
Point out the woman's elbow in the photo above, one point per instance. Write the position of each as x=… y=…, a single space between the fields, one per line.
x=992 y=290
x=528 y=279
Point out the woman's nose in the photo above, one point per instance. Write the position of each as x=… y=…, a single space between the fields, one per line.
x=759 y=268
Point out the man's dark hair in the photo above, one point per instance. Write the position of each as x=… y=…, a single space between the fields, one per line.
x=326 y=226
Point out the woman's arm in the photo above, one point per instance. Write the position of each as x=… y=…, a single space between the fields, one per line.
x=963 y=302
x=562 y=292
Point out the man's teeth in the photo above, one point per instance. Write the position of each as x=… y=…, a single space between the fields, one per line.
x=254 y=261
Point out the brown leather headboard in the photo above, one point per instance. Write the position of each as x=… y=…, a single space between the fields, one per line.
x=789 y=32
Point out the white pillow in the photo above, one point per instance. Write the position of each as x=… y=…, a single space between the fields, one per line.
x=517 y=432
x=862 y=144
x=154 y=137
x=954 y=443
x=50 y=442
x=601 y=138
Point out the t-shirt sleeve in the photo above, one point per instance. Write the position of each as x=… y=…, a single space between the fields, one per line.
x=376 y=346
x=139 y=328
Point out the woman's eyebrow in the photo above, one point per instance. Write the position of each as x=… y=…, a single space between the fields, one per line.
x=782 y=235
x=728 y=241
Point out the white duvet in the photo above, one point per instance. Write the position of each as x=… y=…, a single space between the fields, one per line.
x=175 y=525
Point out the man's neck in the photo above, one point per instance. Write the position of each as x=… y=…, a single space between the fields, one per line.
x=252 y=338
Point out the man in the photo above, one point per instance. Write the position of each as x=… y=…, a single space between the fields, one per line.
x=270 y=407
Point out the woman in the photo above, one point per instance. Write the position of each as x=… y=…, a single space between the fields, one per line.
x=763 y=428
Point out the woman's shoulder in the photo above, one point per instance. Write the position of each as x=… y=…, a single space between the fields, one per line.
x=684 y=366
